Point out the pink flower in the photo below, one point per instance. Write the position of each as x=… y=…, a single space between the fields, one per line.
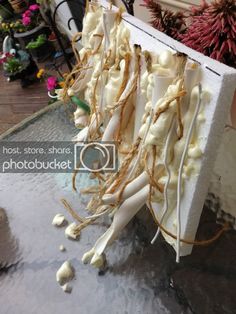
x=26 y=20
x=51 y=83
x=3 y=59
x=26 y=13
x=34 y=7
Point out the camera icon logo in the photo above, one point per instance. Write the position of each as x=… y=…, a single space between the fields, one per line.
x=95 y=156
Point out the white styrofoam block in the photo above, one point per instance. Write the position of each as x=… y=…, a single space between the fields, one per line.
x=223 y=179
x=220 y=80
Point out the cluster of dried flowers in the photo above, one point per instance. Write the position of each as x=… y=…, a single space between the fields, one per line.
x=211 y=27
x=166 y=21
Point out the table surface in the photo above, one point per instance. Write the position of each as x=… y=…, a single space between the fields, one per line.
x=139 y=278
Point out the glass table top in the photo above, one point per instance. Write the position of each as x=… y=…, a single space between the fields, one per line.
x=139 y=277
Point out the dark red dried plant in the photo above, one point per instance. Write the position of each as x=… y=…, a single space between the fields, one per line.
x=211 y=29
x=166 y=21
x=213 y=32
x=198 y=10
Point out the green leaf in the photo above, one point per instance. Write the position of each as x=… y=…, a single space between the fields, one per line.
x=80 y=104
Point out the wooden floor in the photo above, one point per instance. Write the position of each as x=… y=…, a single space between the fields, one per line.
x=17 y=103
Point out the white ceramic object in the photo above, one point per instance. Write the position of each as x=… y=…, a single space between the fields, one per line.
x=131 y=189
x=108 y=22
x=210 y=132
x=161 y=84
x=59 y=220
x=90 y=22
x=81 y=121
x=209 y=123
x=140 y=100
x=65 y=273
x=96 y=77
x=82 y=80
x=70 y=231
x=159 y=88
x=121 y=217
x=110 y=131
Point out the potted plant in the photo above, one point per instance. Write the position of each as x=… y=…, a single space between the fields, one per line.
x=30 y=26
x=17 y=65
x=11 y=64
x=54 y=84
x=5 y=10
x=53 y=41
x=40 y=49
